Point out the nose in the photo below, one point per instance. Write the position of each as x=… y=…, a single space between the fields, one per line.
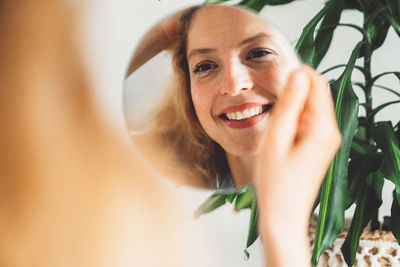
x=236 y=78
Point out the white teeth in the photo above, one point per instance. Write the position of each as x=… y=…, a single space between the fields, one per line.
x=245 y=114
x=252 y=112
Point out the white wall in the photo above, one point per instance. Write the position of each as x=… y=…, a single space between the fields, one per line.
x=227 y=232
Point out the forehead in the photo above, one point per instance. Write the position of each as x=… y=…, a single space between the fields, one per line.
x=225 y=25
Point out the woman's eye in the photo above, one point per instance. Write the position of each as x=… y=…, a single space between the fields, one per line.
x=203 y=67
x=257 y=53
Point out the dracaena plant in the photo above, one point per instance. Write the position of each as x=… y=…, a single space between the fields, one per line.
x=369 y=153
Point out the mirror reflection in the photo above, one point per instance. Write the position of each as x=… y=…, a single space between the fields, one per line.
x=229 y=66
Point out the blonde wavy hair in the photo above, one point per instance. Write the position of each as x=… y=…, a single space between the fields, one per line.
x=176 y=123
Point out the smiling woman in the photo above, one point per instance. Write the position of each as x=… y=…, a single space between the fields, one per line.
x=237 y=64
x=230 y=66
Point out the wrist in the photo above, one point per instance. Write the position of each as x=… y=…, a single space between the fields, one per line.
x=276 y=217
x=284 y=249
x=284 y=227
x=285 y=241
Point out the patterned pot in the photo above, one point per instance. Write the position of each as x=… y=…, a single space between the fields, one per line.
x=376 y=249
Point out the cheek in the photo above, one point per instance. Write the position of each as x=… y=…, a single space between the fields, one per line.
x=273 y=78
x=202 y=101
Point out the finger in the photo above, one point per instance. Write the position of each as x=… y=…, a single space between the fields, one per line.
x=287 y=110
x=320 y=101
x=317 y=107
x=318 y=133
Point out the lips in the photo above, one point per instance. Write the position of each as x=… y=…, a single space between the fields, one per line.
x=245 y=115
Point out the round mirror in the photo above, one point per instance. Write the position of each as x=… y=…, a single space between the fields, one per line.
x=200 y=90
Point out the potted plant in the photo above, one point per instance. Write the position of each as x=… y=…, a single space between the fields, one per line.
x=370 y=149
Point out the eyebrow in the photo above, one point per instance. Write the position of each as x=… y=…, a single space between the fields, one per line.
x=254 y=38
x=201 y=51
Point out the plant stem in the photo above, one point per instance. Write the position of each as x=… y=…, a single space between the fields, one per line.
x=368 y=89
x=368 y=103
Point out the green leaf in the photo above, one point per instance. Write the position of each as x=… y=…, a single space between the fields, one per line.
x=244 y=200
x=354 y=181
x=305 y=46
x=375 y=25
x=255 y=5
x=395 y=216
x=362 y=129
x=359 y=168
x=394 y=8
x=246 y=254
x=369 y=18
x=398 y=132
x=334 y=188
x=253 y=225
x=393 y=23
x=360 y=148
x=378 y=32
x=366 y=6
x=368 y=203
x=230 y=197
x=258 y=5
x=386 y=140
x=213 y=202
x=352 y=4
x=277 y=2
x=324 y=37
x=393 y=15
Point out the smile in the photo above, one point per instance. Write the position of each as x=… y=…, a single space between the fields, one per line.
x=246 y=117
x=246 y=113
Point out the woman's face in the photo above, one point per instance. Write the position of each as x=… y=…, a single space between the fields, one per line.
x=238 y=64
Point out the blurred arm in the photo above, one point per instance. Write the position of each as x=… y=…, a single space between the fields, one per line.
x=157 y=39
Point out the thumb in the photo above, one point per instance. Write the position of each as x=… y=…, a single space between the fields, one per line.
x=287 y=110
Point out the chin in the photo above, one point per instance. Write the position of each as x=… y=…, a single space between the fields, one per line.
x=243 y=149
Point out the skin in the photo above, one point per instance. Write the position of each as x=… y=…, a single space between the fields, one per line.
x=236 y=58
